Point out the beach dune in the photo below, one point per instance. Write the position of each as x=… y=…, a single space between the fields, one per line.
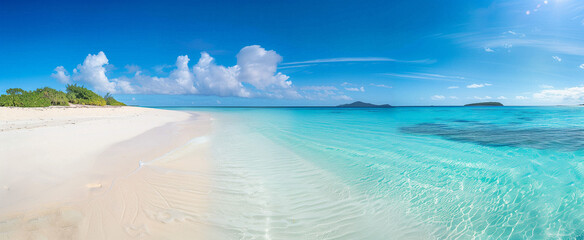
x=102 y=173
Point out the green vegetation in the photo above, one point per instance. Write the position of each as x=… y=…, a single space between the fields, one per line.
x=485 y=104
x=44 y=97
x=56 y=98
x=81 y=95
x=110 y=100
x=17 y=97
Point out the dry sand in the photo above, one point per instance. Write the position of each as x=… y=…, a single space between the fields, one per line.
x=102 y=173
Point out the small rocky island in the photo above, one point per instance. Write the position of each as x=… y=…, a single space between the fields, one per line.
x=360 y=104
x=485 y=104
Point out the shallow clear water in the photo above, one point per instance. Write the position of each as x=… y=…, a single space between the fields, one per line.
x=399 y=173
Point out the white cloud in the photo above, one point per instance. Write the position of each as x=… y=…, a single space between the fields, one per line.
x=453 y=87
x=132 y=68
x=323 y=93
x=359 y=59
x=296 y=66
x=213 y=79
x=61 y=75
x=427 y=76
x=255 y=66
x=573 y=94
x=501 y=97
x=546 y=86
x=437 y=97
x=342 y=97
x=474 y=85
x=361 y=89
x=521 y=97
x=483 y=98
x=557 y=59
x=489 y=50
x=319 y=88
x=515 y=33
x=581 y=66
x=182 y=74
x=379 y=85
x=92 y=72
x=258 y=68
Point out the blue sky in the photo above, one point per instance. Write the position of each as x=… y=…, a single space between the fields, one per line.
x=524 y=52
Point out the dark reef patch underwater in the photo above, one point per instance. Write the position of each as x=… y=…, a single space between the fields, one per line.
x=493 y=135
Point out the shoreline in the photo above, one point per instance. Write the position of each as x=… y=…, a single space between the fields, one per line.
x=63 y=165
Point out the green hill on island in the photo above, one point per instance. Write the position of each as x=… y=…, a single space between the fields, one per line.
x=359 y=104
x=485 y=104
x=44 y=97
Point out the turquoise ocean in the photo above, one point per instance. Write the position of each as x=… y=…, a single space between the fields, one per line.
x=397 y=173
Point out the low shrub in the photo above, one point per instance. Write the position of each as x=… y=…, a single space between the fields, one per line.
x=81 y=95
x=110 y=100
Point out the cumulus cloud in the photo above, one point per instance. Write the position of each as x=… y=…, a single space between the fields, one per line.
x=92 y=71
x=474 y=85
x=213 y=79
x=573 y=94
x=361 y=89
x=437 y=97
x=61 y=75
x=557 y=59
x=256 y=67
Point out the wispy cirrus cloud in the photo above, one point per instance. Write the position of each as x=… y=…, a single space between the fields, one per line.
x=358 y=59
x=296 y=66
x=380 y=85
x=319 y=88
x=492 y=40
x=427 y=76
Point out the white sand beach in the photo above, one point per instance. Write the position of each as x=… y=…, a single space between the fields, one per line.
x=102 y=173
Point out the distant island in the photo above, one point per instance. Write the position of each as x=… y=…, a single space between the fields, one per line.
x=44 y=97
x=360 y=104
x=486 y=104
